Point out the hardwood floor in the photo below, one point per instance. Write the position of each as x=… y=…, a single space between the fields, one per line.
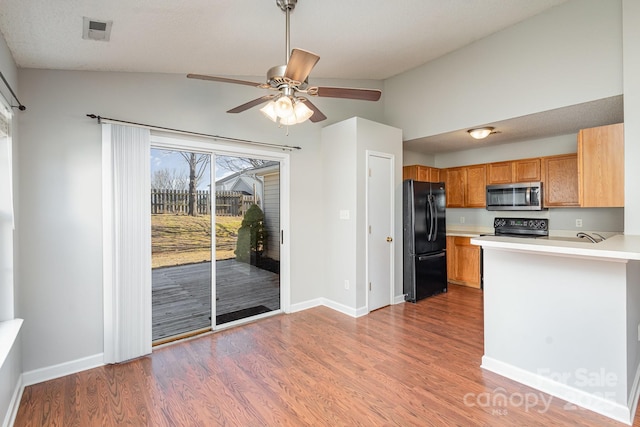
x=406 y=365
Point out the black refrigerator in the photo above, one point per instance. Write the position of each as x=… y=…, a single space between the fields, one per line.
x=424 y=246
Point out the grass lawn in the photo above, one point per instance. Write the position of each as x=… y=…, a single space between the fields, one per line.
x=183 y=239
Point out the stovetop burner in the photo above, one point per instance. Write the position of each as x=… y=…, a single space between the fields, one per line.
x=521 y=227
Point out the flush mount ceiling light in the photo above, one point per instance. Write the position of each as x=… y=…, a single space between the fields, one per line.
x=481 y=133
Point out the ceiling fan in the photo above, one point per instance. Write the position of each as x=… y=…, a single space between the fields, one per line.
x=287 y=106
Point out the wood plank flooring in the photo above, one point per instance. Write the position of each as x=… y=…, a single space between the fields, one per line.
x=181 y=295
x=403 y=365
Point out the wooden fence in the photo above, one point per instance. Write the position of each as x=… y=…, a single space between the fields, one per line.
x=228 y=203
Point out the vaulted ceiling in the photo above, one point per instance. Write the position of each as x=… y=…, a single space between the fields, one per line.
x=356 y=39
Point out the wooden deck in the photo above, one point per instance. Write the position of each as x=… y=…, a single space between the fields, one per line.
x=181 y=295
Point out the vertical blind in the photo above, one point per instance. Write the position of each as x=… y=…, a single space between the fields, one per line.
x=126 y=241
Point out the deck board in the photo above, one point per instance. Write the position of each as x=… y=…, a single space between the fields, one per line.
x=181 y=295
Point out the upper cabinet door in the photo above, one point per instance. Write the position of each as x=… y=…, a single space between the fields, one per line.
x=476 y=194
x=500 y=173
x=526 y=170
x=455 y=186
x=601 y=166
x=421 y=173
x=560 y=176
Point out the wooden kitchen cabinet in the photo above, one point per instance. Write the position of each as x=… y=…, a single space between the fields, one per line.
x=500 y=173
x=601 y=166
x=455 y=187
x=466 y=186
x=526 y=170
x=560 y=181
x=476 y=191
x=421 y=173
x=463 y=261
x=451 y=258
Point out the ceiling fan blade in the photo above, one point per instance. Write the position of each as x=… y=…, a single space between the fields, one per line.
x=250 y=104
x=300 y=64
x=345 y=92
x=223 y=80
x=317 y=114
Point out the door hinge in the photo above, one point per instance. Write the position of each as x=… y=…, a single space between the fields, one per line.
x=369 y=229
x=369 y=286
x=369 y=172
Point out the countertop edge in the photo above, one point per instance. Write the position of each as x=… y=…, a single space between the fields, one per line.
x=619 y=247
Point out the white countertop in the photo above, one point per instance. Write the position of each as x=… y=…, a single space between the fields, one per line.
x=468 y=231
x=619 y=247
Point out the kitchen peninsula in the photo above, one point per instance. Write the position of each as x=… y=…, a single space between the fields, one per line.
x=564 y=317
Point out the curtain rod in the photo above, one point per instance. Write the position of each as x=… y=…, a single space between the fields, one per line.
x=186 y=132
x=6 y=83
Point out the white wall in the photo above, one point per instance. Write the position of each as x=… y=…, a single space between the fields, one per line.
x=519 y=150
x=344 y=147
x=339 y=159
x=60 y=204
x=567 y=55
x=413 y=158
x=631 y=82
x=631 y=32
x=382 y=139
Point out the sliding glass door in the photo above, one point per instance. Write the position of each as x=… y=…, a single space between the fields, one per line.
x=216 y=237
x=247 y=217
x=181 y=243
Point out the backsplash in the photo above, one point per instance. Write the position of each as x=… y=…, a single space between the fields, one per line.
x=593 y=219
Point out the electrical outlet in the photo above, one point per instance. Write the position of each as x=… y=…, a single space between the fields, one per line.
x=578 y=223
x=346 y=284
x=461 y=220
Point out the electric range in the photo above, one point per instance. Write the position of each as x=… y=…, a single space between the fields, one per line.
x=521 y=227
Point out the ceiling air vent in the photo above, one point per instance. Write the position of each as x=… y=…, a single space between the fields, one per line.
x=92 y=29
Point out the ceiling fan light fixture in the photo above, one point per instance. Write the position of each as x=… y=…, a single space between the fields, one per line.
x=301 y=111
x=283 y=107
x=269 y=111
x=481 y=133
x=287 y=111
x=300 y=114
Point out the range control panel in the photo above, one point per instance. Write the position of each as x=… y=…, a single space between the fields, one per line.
x=522 y=226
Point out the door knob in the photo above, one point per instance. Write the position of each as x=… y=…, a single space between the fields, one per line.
x=389 y=239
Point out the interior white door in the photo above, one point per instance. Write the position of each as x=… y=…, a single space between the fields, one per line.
x=380 y=242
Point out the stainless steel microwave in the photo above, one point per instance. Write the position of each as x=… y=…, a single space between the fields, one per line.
x=520 y=196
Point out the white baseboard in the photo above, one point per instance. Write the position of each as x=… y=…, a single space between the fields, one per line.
x=344 y=309
x=305 y=305
x=14 y=404
x=634 y=394
x=573 y=395
x=56 y=371
x=398 y=299
x=349 y=311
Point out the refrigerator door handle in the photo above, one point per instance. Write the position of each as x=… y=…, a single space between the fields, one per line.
x=429 y=218
x=425 y=257
x=435 y=218
x=433 y=222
